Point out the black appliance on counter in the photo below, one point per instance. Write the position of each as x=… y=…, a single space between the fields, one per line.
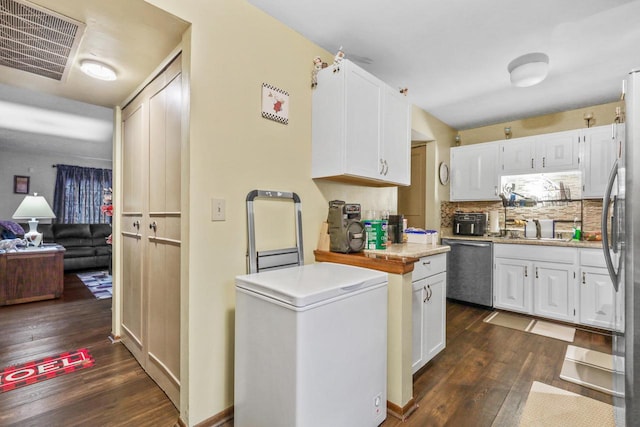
x=469 y=224
x=346 y=232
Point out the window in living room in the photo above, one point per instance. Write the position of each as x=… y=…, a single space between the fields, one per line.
x=78 y=192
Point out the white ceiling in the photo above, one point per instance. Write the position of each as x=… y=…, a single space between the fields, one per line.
x=453 y=54
x=130 y=35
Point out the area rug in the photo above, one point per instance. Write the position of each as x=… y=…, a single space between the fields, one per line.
x=589 y=368
x=28 y=373
x=548 y=329
x=550 y=406
x=509 y=320
x=527 y=324
x=98 y=282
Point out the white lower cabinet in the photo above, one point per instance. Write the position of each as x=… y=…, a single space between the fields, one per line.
x=567 y=284
x=536 y=280
x=554 y=286
x=512 y=285
x=599 y=306
x=428 y=309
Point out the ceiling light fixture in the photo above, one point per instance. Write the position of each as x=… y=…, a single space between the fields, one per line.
x=97 y=70
x=528 y=70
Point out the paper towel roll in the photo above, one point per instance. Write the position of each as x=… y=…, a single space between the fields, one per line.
x=494 y=221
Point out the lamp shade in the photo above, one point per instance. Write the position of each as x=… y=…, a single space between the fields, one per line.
x=528 y=70
x=34 y=207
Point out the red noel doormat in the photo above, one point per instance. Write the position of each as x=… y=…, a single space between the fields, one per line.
x=13 y=377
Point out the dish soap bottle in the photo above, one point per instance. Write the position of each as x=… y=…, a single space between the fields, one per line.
x=576 y=230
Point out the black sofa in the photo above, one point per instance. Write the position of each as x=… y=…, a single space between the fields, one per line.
x=86 y=244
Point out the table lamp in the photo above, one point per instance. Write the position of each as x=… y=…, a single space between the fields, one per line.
x=33 y=208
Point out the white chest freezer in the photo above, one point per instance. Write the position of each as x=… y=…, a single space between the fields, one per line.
x=311 y=347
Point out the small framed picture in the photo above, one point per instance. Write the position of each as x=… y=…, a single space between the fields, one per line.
x=275 y=104
x=20 y=184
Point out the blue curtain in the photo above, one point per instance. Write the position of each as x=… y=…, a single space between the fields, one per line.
x=77 y=196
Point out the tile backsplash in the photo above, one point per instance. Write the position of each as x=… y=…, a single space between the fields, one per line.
x=558 y=197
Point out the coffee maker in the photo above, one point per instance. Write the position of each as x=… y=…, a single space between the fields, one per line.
x=346 y=232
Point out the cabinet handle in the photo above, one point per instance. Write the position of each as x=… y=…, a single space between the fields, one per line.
x=426 y=297
x=136 y=224
x=544 y=159
x=426 y=262
x=430 y=292
x=526 y=271
x=386 y=168
x=495 y=190
x=584 y=278
x=381 y=167
x=532 y=163
x=153 y=226
x=536 y=272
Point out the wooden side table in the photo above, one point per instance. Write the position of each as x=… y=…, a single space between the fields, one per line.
x=32 y=274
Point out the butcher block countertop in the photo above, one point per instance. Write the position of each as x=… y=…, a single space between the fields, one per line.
x=397 y=259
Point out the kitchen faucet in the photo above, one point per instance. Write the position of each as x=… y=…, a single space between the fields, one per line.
x=538 y=229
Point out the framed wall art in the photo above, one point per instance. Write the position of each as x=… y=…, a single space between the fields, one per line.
x=20 y=184
x=275 y=104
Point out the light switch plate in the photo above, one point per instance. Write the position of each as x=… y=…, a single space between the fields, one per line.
x=217 y=209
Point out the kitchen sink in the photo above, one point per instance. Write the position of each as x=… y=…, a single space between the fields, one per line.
x=547 y=239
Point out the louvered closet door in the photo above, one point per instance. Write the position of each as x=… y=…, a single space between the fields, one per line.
x=151 y=254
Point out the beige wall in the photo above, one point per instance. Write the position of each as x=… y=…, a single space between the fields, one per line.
x=603 y=114
x=440 y=136
x=234 y=48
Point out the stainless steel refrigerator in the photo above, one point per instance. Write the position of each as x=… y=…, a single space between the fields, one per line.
x=623 y=221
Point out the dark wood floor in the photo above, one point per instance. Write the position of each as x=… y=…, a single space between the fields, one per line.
x=482 y=378
x=114 y=392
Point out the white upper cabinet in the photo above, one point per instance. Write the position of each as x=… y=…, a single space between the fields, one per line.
x=599 y=150
x=517 y=156
x=361 y=128
x=553 y=152
x=556 y=152
x=474 y=172
x=395 y=146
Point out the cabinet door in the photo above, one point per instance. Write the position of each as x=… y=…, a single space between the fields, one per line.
x=363 y=109
x=418 y=356
x=597 y=298
x=435 y=317
x=395 y=145
x=516 y=156
x=598 y=155
x=557 y=151
x=512 y=285
x=474 y=172
x=553 y=291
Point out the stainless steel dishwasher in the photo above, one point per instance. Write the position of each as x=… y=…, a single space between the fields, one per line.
x=470 y=271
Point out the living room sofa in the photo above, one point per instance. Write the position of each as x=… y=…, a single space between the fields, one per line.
x=86 y=244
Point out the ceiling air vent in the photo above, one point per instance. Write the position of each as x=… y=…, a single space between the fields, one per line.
x=37 y=40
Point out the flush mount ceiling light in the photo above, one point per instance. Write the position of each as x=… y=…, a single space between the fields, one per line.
x=528 y=70
x=97 y=70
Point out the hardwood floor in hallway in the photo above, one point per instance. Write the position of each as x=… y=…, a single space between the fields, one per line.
x=114 y=392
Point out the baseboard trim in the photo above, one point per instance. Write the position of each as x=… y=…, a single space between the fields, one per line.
x=402 y=413
x=218 y=419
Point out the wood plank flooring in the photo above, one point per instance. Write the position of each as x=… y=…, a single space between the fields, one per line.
x=482 y=378
x=114 y=392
